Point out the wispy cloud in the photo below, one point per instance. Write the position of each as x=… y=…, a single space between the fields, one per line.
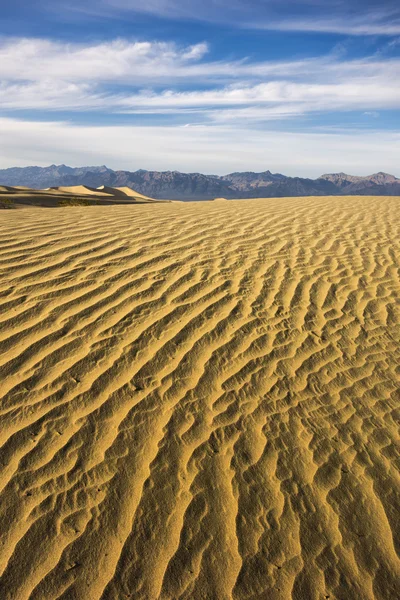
x=135 y=63
x=37 y=59
x=218 y=149
x=122 y=76
x=354 y=17
x=282 y=97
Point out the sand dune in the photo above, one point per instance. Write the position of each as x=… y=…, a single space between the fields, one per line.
x=201 y=401
x=132 y=193
x=108 y=190
x=123 y=192
x=80 y=190
x=14 y=188
x=80 y=194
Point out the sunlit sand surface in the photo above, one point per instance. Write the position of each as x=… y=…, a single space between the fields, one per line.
x=200 y=401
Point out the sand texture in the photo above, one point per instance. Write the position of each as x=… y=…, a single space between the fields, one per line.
x=200 y=401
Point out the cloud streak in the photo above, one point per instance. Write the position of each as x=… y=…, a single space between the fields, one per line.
x=122 y=76
x=218 y=149
x=38 y=59
x=354 y=17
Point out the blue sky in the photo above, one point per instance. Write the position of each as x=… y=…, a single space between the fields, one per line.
x=300 y=87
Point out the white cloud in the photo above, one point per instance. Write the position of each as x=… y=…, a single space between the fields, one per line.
x=37 y=59
x=355 y=17
x=219 y=149
x=146 y=63
x=371 y=113
x=116 y=77
x=370 y=23
x=282 y=96
x=51 y=95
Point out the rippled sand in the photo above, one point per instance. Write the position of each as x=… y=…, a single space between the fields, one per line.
x=201 y=401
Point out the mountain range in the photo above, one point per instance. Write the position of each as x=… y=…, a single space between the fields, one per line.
x=174 y=185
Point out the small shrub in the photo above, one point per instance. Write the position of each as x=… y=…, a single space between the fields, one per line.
x=7 y=203
x=76 y=202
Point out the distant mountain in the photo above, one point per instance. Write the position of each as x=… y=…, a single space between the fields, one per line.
x=351 y=184
x=174 y=185
x=248 y=180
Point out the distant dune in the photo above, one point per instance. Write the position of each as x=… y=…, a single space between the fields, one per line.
x=110 y=190
x=122 y=192
x=79 y=194
x=201 y=401
x=81 y=190
x=129 y=192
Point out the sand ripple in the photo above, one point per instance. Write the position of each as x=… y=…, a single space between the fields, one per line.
x=201 y=401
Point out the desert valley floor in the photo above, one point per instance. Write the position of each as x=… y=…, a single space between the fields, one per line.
x=200 y=401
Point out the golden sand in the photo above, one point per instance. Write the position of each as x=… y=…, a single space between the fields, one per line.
x=200 y=401
x=71 y=195
x=80 y=190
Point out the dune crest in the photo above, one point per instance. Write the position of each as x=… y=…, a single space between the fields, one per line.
x=72 y=195
x=80 y=190
x=125 y=192
x=130 y=192
x=200 y=401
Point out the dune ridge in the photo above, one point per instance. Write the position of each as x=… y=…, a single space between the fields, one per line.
x=124 y=191
x=201 y=401
x=72 y=195
x=81 y=190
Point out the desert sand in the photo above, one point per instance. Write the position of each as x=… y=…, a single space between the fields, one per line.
x=18 y=196
x=80 y=190
x=200 y=401
x=122 y=192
